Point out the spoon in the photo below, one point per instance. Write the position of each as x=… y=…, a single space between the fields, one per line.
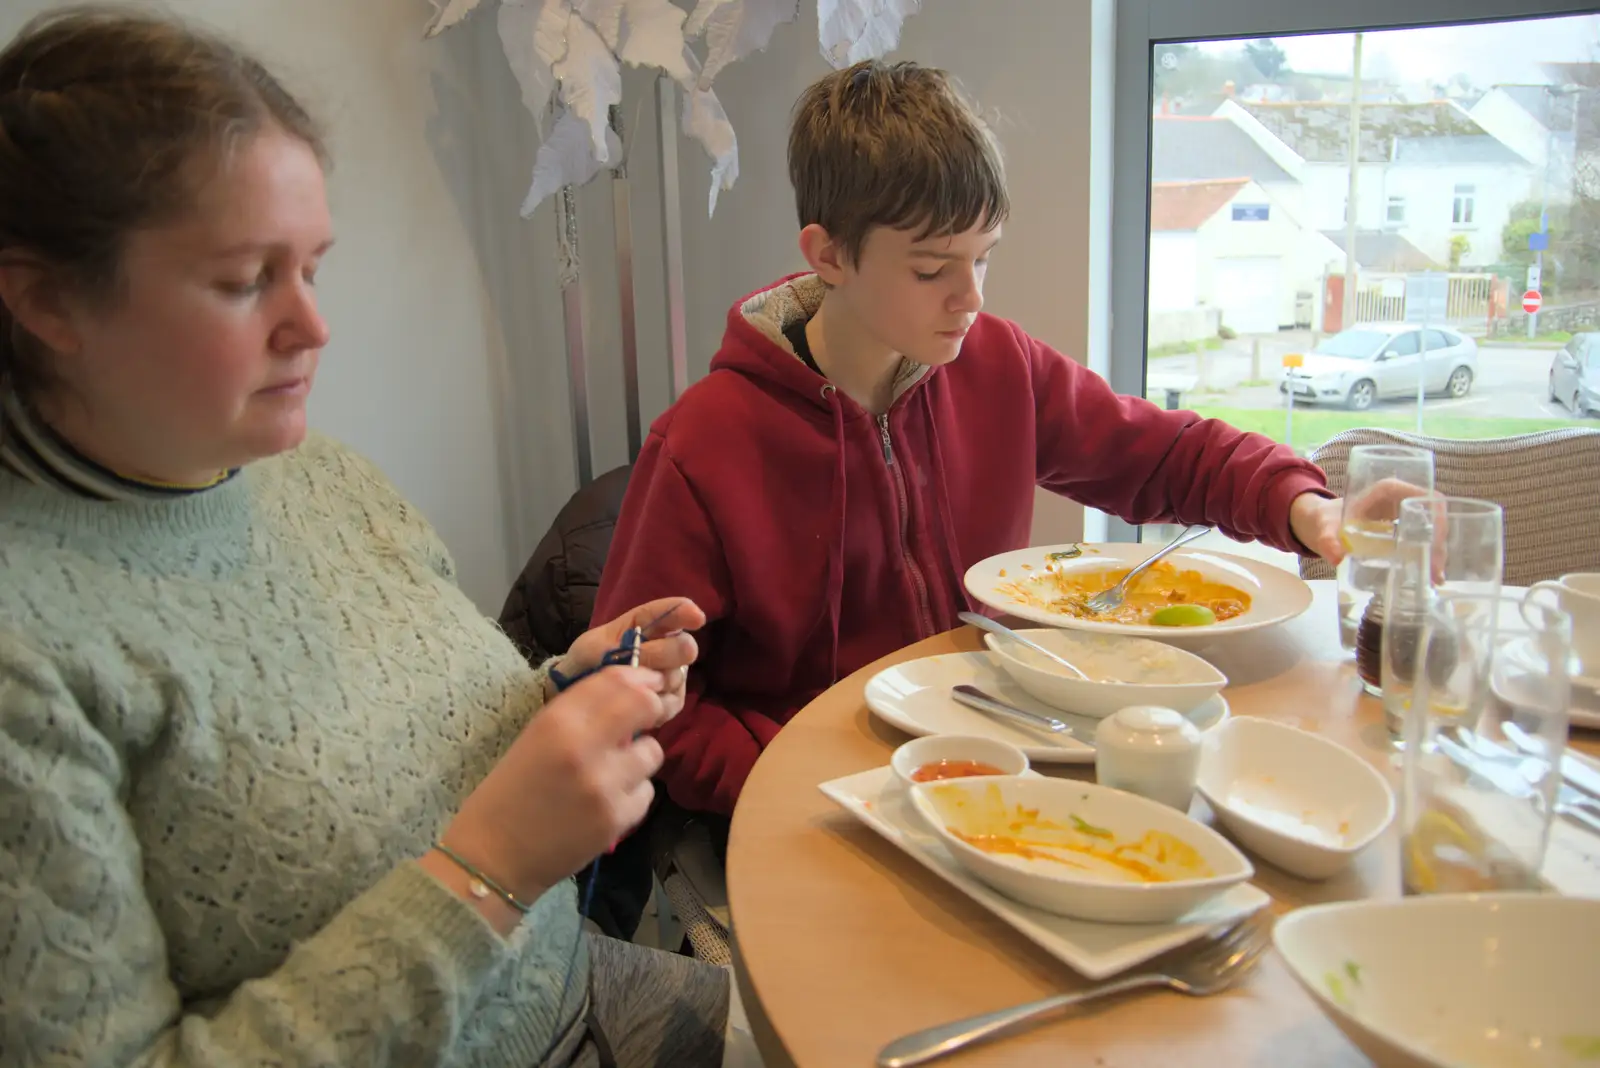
x=985 y=623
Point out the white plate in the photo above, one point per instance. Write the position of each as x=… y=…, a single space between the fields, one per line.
x=915 y=696
x=1275 y=594
x=1094 y=950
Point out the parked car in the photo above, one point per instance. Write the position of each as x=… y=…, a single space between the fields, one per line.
x=1575 y=375
x=1365 y=363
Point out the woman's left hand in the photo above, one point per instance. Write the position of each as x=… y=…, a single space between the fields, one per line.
x=668 y=648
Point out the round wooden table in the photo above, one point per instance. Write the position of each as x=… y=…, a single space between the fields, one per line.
x=844 y=943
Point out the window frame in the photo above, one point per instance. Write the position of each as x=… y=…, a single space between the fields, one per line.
x=1412 y=338
x=1142 y=24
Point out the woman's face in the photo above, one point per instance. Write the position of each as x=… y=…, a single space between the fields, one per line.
x=206 y=357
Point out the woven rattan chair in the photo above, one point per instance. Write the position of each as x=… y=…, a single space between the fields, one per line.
x=1548 y=483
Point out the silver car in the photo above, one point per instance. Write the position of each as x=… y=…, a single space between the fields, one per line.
x=1575 y=375
x=1359 y=366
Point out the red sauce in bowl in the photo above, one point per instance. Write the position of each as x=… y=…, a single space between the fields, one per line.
x=953 y=769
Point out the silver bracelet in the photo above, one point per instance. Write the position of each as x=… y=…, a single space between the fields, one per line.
x=480 y=885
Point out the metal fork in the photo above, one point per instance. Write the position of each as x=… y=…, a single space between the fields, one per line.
x=1110 y=600
x=1214 y=968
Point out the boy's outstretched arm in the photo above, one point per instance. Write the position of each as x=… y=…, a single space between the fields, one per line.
x=1126 y=456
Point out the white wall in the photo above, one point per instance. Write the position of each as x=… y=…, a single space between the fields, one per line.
x=1429 y=191
x=1220 y=238
x=1174 y=271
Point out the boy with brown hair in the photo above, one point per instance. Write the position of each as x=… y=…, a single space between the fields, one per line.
x=866 y=434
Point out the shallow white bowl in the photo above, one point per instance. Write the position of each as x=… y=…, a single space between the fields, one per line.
x=1455 y=981
x=1276 y=594
x=936 y=747
x=1298 y=801
x=1149 y=672
x=1066 y=891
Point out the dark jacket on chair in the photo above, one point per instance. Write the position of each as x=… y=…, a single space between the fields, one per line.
x=551 y=602
x=549 y=606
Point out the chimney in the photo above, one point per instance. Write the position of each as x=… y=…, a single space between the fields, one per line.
x=1228 y=88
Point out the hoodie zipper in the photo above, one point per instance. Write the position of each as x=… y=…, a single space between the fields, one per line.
x=925 y=617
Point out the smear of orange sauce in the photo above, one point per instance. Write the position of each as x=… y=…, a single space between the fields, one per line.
x=1163 y=585
x=1156 y=857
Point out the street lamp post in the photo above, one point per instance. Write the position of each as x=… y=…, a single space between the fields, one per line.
x=1554 y=92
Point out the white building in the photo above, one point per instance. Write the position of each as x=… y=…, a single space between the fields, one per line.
x=1429 y=172
x=1226 y=246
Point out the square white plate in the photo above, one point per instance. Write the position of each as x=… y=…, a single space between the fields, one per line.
x=915 y=696
x=1094 y=950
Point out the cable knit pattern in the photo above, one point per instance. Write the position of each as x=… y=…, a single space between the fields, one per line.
x=228 y=722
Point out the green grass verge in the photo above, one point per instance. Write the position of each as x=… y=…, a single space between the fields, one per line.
x=1312 y=426
x=1184 y=348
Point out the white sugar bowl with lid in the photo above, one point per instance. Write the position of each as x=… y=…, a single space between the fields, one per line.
x=1150 y=751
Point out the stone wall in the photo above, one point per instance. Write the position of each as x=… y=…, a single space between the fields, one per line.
x=1573 y=318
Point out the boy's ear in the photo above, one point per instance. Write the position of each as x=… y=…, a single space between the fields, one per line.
x=825 y=255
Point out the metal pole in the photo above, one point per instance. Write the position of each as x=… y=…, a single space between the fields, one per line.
x=1422 y=358
x=622 y=214
x=672 y=235
x=572 y=317
x=1544 y=208
x=1350 y=210
x=1288 y=416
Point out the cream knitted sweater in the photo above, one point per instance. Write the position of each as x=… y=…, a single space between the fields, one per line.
x=228 y=722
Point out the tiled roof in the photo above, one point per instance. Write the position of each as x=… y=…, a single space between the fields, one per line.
x=1184 y=149
x=1187 y=205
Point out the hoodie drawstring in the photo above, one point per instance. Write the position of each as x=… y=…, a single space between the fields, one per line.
x=952 y=554
x=835 y=594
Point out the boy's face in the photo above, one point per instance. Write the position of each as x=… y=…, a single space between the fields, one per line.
x=917 y=298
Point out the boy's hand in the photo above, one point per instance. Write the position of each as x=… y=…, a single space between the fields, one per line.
x=1315 y=519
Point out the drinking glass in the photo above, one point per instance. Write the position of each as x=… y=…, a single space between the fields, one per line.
x=1442 y=545
x=1378 y=478
x=1483 y=741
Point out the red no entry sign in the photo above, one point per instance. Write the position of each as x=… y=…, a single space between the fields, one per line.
x=1531 y=300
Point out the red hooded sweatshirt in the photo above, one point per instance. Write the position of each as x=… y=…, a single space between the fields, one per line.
x=819 y=538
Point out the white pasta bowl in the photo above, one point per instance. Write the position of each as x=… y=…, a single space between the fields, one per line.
x=1455 y=980
x=1301 y=802
x=1078 y=849
x=1122 y=672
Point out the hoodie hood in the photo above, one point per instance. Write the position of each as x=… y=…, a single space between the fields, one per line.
x=755 y=344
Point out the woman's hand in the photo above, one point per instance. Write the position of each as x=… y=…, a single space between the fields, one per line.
x=575 y=781
x=669 y=648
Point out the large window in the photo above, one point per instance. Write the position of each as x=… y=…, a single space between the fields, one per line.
x=1357 y=197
